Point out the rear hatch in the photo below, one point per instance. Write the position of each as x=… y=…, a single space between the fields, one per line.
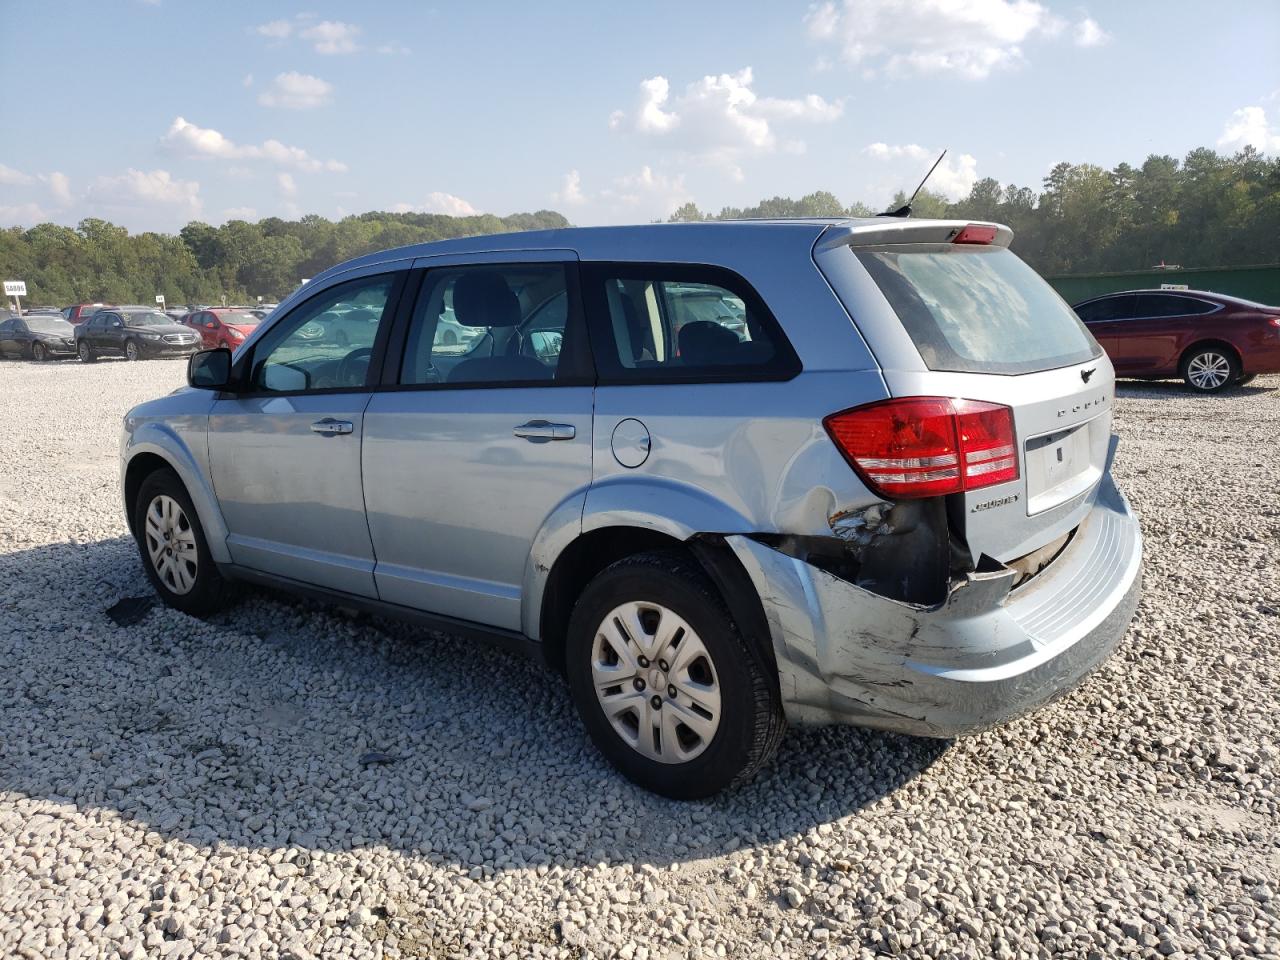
x=969 y=320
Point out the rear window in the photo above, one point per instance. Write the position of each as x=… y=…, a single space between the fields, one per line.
x=978 y=309
x=242 y=319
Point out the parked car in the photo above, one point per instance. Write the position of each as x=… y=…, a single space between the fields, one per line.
x=136 y=334
x=78 y=313
x=223 y=327
x=1209 y=340
x=880 y=495
x=37 y=337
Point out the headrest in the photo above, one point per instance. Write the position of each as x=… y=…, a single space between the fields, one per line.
x=481 y=298
x=704 y=341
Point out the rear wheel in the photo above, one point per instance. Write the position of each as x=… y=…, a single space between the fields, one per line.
x=1209 y=369
x=85 y=352
x=39 y=353
x=131 y=350
x=667 y=687
x=174 y=552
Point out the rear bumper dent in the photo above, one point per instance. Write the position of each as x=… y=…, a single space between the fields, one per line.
x=984 y=656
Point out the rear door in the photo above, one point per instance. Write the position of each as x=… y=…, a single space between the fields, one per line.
x=8 y=337
x=974 y=322
x=1155 y=336
x=477 y=443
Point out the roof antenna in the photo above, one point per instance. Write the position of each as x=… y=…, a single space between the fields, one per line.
x=905 y=209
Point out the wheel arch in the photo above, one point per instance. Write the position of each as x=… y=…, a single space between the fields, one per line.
x=1200 y=344
x=154 y=447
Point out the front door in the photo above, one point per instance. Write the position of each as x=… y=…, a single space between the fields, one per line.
x=285 y=452
x=484 y=436
x=1107 y=320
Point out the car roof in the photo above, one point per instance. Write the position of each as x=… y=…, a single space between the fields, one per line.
x=1177 y=293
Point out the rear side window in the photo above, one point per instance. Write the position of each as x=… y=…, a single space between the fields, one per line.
x=978 y=309
x=676 y=322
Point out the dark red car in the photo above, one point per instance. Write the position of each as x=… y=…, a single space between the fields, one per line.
x=80 y=312
x=222 y=326
x=1207 y=339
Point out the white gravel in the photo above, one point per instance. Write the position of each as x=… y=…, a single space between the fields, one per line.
x=180 y=788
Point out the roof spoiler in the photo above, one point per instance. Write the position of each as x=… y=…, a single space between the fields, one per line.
x=877 y=233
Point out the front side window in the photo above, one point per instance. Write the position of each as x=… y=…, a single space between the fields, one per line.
x=976 y=309
x=680 y=322
x=325 y=343
x=500 y=325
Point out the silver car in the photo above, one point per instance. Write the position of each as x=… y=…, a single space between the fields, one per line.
x=871 y=485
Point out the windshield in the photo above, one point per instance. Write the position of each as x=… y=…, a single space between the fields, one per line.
x=978 y=309
x=148 y=319
x=49 y=325
x=244 y=319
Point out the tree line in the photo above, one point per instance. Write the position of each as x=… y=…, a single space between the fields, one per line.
x=100 y=261
x=1207 y=210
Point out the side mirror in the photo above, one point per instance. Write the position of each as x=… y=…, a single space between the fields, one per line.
x=210 y=369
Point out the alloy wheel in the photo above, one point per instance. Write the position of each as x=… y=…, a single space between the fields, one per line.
x=656 y=682
x=1208 y=370
x=38 y=352
x=131 y=350
x=171 y=544
x=85 y=354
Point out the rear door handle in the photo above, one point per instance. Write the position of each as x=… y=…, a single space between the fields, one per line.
x=330 y=427
x=543 y=431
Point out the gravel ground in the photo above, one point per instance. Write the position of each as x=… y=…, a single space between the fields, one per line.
x=181 y=788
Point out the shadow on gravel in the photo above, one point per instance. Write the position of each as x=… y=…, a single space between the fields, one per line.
x=250 y=731
x=1177 y=389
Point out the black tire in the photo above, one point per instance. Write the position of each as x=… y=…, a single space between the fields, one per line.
x=210 y=592
x=132 y=350
x=39 y=353
x=1246 y=379
x=1209 y=368
x=751 y=721
x=85 y=352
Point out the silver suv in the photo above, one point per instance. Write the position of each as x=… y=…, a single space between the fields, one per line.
x=724 y=476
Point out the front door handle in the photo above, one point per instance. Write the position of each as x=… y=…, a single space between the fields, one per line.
x=543 y=431
x=330 y=427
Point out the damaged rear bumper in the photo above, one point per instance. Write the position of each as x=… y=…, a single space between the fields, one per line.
x=985 y=655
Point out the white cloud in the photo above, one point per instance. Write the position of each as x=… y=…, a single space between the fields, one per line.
x=137 y=190
x=188 y=140
x=22 y=215
x=239 y=213
x=1249 y=126
x=437 y=202
x=287 y=185
x=570 y=191
x=12 y=177
x=296 y=91
x=247 y=82
x=332 y=36
x=59 y=186
x=1089 y=34
x=275 y=29
x=718 y=119
x=646 y=195
x=954 y=177
x=392 y=49
x=969 y=38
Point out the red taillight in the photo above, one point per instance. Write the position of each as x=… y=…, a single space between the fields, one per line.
x=975 y=233
x=927 y=446
x=1274 y=321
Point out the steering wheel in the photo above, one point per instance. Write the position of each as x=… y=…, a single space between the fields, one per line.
x=351 y=373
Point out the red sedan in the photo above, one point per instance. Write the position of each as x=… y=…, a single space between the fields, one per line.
x=222 y=326
x=1207 y=339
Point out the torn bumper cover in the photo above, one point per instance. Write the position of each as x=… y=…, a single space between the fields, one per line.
x=983 y=656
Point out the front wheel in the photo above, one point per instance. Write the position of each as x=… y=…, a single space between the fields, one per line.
x=131 y=350
x=667 y=687
x=39 y=353
x=85 y=352
x=174 y=552
x=1209 y=369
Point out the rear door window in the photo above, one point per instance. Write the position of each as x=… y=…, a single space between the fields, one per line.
x=1168 y=305
x=978 y=309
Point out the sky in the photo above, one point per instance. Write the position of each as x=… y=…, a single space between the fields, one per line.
x=153 y=113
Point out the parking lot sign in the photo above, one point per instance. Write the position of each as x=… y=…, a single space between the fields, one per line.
x=15 y=288
x=160 y=300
